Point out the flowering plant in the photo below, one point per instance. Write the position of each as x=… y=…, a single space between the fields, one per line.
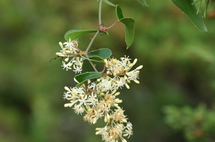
x=96 y=93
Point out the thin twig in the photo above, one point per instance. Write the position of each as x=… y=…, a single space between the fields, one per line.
x=92 y=40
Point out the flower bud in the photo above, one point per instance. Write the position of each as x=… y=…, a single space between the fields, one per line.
x=66 y=88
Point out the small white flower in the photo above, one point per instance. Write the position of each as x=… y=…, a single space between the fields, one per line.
x=69 y=43
x=133 y=75
x=105 y=84
x=92 y=100
x=92 y=85
x=77 y=69
x=66 y=66
x=83 y=99
x=79 y=109
x=120 y=82
x=70 y=51
x=78 y=91
x=101 y=131
x=128 y=132
x=67 y=96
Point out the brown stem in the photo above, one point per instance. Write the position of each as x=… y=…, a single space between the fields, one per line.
x=103 y=28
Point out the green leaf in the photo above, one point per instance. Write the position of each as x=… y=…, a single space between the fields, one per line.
x=74 y=34
x=143 y=2
x=206 y=7
x=190 y=10
x=81 y=78
x=129 y=30
x=100 y=54
x=109 y=3
x=119 y=14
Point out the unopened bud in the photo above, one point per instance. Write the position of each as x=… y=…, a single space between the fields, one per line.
x=140 y=67
x=135 y=61
x=61 y=44
x=118 y=100
x=68 y=105
x=127 y=86
x=59 y=54
x=116 y=94
x=66 y=88
x=66 y=60
x=136 y=81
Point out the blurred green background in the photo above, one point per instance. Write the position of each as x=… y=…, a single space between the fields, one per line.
x=178 y=59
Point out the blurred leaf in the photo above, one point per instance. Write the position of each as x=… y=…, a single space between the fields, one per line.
x=100 y=54
x=81 y=78
x=143 y=2
x=190 y=10
x=129 y=26
x=119 y=13
x=109 y=3
x=206 y=7
x=129 y=30
x=74 y=34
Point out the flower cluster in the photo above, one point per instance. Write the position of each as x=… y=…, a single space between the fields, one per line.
x=73 y=56
x=98 y=98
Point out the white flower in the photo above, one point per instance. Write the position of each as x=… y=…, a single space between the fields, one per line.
x=72 y=44
x=128 y=132
x=119 y=82
x=119 y=116
x=133 y=75
x=67 y=96
x=83 y=99
x=77 y=91
x=78 y=109
x=92 y=100
x=101 y=131
x=77 y=69
x=92 y=85
x=105 y=84
x=72 y=54
x=69 y=44
x=125 y=61
x=66 y=66
x=121 y=70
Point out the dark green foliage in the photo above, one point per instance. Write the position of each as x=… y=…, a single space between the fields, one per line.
x=197 y=124
x=191 y=11
x=81 y=78
x=100 y=54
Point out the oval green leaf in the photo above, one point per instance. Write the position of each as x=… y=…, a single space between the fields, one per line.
x=74 y=34
x=129 y=30
x=100 y=54
x=81 y=78
x=119 y=13
x=143 y=2
x=190 y=10
x=108 y=2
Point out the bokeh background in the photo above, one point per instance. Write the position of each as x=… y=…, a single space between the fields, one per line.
x=178 y=59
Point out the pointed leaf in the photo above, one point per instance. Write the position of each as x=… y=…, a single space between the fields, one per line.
x=119 y=13
x=109 y=3
x=74 y=34
x=81 y=78
x=129 y=30
x=100 y=54
x=190 y=10
x=143 y=2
